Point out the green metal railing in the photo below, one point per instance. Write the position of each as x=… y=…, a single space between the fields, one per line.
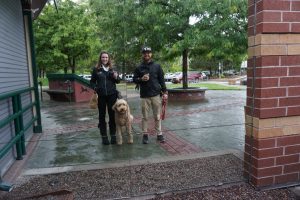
x=17 y=119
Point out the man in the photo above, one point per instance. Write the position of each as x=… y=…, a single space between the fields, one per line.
x=150 y=78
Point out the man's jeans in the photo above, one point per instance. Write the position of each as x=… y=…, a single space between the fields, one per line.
x=146 y=104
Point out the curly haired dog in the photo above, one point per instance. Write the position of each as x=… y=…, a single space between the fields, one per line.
x=123 y=119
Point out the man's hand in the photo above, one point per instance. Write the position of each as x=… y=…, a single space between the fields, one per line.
x=145 y=77
x=165 y=96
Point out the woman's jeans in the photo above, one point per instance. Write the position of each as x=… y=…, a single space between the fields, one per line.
x=106 y=102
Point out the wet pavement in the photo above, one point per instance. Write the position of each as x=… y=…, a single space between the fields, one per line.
x=71 y=136
x=202 y=153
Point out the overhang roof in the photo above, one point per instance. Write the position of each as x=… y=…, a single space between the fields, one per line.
x=37 y=7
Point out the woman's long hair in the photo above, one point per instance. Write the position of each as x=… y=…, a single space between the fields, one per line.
x=99 y=63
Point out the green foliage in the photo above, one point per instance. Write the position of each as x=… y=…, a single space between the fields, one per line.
x=65 y=38
x=73 y=36
x=211 y=86
x=44 y=81
x=222 y=33
x=219 y=33
x=171 y=65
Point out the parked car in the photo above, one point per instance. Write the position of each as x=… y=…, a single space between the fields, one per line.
x=129 y=78
x=177 y=76
x=243 y=80
x=204 y=76
x=193 y=77
x=207 y=74
x=86 y=76
x=230 y=72
x=169 y=76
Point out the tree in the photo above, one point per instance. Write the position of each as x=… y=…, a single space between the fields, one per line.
x=117 y=20
x=222 y=32
x=64 y=37
x=218 y=34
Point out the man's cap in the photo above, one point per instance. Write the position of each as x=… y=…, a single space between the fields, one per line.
x=146 y=49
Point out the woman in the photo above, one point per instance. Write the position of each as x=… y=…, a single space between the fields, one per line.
x=104 y=80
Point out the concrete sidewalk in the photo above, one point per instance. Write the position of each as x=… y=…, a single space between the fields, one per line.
x=71 y=135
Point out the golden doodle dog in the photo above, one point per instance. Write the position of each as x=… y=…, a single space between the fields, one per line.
x=123 y=120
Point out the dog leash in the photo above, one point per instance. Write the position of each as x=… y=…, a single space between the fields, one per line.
x=163 y=108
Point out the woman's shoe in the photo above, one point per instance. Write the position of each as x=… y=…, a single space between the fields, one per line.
x=145 y=139
x=105 y=140
x=113 y=139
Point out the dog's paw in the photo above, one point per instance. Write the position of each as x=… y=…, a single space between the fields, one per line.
x=130 y=142
x=119 y=142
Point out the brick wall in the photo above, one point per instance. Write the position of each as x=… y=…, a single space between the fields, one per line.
x=277 y=58
x=277 y=86
x=272 y=141
x=275 y=160
x=82 y=93
x=274 y=16
x=274 y=151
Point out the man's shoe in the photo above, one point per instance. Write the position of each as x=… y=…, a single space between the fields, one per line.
x=145 y=139
x=113 y=139
x=160 y=138
x=105 y=140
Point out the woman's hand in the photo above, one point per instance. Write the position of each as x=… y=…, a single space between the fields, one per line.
x=115 y=75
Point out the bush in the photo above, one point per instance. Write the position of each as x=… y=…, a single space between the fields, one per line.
x=44 y=81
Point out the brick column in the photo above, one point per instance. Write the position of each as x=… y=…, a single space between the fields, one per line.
x=272 y=113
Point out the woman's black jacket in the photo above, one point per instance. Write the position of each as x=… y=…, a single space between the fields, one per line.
x=104 y=82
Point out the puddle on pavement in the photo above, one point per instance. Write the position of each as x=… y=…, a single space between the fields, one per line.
x=86 y=148
x=85 y=119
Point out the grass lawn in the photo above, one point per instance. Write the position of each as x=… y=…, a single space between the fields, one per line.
x=44 y=81
x=209 y=86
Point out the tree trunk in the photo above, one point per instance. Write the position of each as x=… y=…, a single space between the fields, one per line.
x=73 y=66
x=185 y=66
x=123 y=69
x=65 y=70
